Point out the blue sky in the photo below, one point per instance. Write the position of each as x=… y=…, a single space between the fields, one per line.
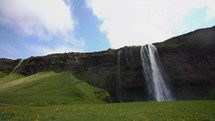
x=41 y=27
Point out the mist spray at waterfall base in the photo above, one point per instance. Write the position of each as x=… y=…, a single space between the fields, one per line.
x=154 y=74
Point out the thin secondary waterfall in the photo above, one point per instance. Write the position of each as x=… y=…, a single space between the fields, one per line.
x=20 y=62
x=119 y=85
x=154 y=74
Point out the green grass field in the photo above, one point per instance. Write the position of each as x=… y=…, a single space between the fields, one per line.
x=139 y=111
x=51 y=96
x=46 y=88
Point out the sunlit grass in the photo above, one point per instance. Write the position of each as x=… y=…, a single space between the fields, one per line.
x=4 y=78
x=151 y=111
x=46 y=88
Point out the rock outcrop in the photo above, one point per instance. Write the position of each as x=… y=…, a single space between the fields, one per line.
x=189 y=60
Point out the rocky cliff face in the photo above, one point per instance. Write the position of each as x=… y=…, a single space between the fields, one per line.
x=7 y=65
x=189 y=60
x=190 y=63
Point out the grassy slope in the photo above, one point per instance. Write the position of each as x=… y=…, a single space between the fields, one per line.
x=47 y=88
x=2 y=74
x=145 y=111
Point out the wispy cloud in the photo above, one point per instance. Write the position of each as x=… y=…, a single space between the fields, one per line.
x=60 y=49
x=210 y=13
x=68 y=45
x=8 y=50
x=135 y=22
x=44 y=20
x=37 y=17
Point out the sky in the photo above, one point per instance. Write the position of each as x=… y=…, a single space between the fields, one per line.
x=41 y=27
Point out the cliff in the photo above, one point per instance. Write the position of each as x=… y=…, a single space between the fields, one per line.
x=189 y=60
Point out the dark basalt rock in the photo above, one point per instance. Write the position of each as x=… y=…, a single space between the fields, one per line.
x=7 y=65
x=189 y=60
x=190 y=63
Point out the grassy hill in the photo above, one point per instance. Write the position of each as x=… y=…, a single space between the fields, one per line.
x=46 y=88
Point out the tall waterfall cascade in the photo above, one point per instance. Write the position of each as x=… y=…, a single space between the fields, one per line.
x=154 y=74
x=119 y=85
x=20 y=62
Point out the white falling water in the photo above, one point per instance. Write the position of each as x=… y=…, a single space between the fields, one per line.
x=20 y=62
x=119 y=87
x=154 y=74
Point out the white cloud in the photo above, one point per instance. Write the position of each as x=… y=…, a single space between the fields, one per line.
x=51 y=22
x=210 y=13
x=37 y=17
x=136 y=22
x=69 y=44
x=41 y=50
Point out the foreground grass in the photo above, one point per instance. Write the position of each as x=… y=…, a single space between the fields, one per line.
x=151 y=111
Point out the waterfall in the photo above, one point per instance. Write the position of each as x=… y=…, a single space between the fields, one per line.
x=154 y=74
x=20 y=62
x=119 y=85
